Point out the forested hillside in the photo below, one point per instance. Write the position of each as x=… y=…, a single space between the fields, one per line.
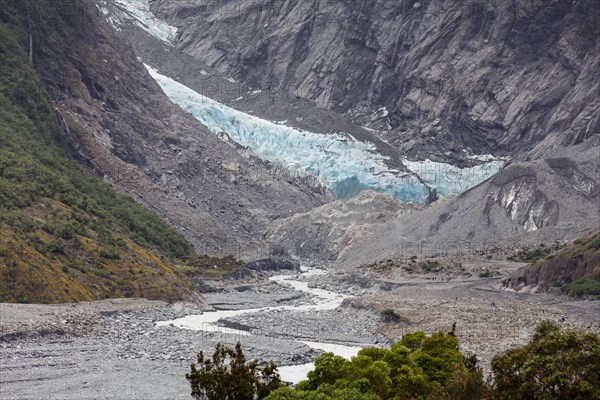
x=65 y=236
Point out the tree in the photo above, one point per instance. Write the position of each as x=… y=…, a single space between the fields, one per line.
x=417 y=367
x=556 y=364
x=227 y=376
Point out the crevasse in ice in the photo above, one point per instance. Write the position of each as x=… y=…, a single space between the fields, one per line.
x=341 y=163
x=450 y=180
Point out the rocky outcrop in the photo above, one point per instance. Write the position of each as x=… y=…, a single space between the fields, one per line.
x=317 y=235
x=126 y=129
x=435 y=76
x=537 y=202
x=580 y=259
x=435 y=80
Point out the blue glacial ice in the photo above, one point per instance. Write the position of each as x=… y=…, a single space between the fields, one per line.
x=138 y=12
x=449 y=180
x=338 y=161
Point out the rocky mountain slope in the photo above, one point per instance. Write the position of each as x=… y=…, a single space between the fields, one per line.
x=532 y=202
x=64 y=235
x=437 y=77
x=575 y=269
x=125 y=128
x=446 y=81
x=316 y=236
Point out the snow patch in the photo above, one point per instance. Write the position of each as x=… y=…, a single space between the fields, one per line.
x=138 y=12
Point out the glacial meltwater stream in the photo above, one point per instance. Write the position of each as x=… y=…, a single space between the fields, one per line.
x=322 y=300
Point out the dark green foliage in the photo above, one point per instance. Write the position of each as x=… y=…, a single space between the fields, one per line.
x=594 y=243
x=430 y=266
x=36 y=158
x=228 y=376
x=55 y=247
x=417 y=367
x=463 y=386
x=324 y=392
x=539 y=253
x=586 y=286
x=390 y=315
x=556 y=364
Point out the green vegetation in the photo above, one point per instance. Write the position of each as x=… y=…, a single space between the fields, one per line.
x=586 y=286
x=536 y=254
x=227 y=375
x=556 y=364
x=411 y=265
x=211 y=267
x=430 y=266
x=589 y=242
x=417 y=367
x=64 y=235
x=574 y=269
x=390 y=315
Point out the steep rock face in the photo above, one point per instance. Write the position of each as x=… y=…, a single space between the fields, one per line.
x=437 y=76
x=126 y=128
x=580 y=259
x=541 y=201
x=439 y=80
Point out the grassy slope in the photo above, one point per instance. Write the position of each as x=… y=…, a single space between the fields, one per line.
x=64 y=235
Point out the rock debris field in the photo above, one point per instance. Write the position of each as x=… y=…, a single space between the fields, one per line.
x=133 y=348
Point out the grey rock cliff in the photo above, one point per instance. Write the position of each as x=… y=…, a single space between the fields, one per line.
x=433 y=79
x=126 y=128
x=485 y=76
x=542 y=201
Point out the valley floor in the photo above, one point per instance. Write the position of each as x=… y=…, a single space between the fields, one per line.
x=116 y=349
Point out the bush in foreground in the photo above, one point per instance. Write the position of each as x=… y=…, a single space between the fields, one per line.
x=417 y=367
x=556 y=364
x=227 y=376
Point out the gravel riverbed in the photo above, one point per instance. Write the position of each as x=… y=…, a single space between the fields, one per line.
x=123 y=349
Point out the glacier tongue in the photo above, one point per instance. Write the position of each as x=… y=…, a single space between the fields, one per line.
x=339 y=162
x=449 y=180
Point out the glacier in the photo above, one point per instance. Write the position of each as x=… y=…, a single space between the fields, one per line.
x=449 y=180
x=139 y=12
x=338 y=161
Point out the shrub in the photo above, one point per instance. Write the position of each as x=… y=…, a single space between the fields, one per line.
x=55 y=247
x=417 y=367
x=556 y=364
x=586 y=286
x=431 y=266
x=485 y=274
x=390 y=315
x=227 y=375
x=109 y=253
